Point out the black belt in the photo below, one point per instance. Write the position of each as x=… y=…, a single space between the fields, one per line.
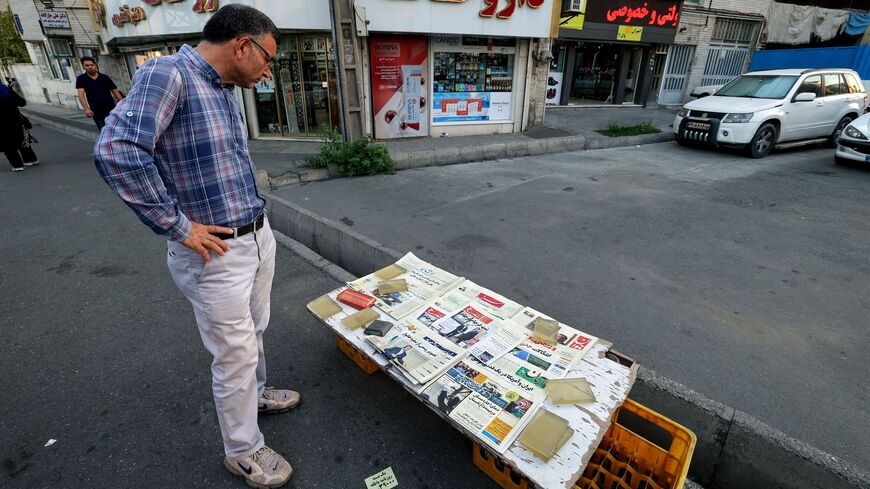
x=247 y=228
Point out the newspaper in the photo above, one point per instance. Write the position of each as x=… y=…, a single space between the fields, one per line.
x=552 y=361
x=481 y=404
x=483 y=299
x=421 y=353
x=499 y=340
x=509 y=370
x=464 y=326
x=425 y=282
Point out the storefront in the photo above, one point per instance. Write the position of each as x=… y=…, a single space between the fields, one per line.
x=453 y=68
x=611 y=52
x=302 y=98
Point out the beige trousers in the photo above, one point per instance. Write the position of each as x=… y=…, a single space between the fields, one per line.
x=230 y=297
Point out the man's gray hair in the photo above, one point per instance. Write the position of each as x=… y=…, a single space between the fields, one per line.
x=234 y=20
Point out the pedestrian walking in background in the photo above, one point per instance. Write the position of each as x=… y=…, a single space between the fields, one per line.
x=97 y=92
x=14 y=85
x=175 y=150
x=15 y=137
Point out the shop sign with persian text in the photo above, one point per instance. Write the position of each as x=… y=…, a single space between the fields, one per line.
x=54 y=20
x=510 y=18
x=655 y=13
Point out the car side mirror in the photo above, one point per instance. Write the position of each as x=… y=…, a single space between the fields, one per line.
x=805 y=97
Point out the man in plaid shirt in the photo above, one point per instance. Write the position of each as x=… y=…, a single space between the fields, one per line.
x=175 y=151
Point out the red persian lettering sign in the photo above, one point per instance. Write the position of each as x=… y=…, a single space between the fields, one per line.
x=492 y=7
x=643 y=14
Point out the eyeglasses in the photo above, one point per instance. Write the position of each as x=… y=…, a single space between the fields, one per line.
x=269 y=59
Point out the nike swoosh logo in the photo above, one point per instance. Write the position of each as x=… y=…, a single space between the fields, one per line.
x=247 y=470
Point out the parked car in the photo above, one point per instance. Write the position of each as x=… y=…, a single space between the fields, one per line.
x=763 y=109
x=854 y=142
x=705 y=90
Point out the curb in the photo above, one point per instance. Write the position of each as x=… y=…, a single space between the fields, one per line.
x=518 y=148
x=734 y=449
x=405 y=160
x=72 y=129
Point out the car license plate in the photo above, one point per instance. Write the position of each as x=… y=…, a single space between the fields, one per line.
x=867 y=159
x=703 y=126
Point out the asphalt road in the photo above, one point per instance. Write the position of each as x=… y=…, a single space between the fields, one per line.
x=100 y=352
x=746 y=280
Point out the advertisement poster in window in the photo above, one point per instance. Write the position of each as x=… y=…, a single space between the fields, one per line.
x=399 y=86
x=471 y=106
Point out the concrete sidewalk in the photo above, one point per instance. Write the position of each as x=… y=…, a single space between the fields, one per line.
x=282 y=162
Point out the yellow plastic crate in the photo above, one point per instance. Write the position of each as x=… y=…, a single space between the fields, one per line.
x=627 y=460
x=358 y=357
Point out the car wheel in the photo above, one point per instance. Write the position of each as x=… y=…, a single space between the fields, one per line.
x=763 y=141
x=845 y=121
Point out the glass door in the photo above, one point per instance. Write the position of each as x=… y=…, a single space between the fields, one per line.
x=289 y=80
x=301 y=99
x=315 y=72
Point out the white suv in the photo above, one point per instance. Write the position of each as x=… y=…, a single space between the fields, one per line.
x=764 y=109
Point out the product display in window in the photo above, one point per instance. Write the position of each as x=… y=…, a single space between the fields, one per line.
x=479 y=72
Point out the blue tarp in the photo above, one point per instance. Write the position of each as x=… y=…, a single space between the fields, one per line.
x=857 y=24
x=852 y=57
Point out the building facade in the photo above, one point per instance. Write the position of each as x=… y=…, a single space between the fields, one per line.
x=458 y=68
x=611 y=52
x=422 y=68
x=714 y=43
x=57 y=34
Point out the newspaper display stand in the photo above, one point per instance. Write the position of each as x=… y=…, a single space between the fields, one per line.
x=610 y=376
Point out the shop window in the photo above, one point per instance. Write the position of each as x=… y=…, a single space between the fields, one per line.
x=48 y=70
x=472 y=80
x=477 y=72
x=61 y=56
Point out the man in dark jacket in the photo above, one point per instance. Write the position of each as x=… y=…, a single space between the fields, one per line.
x=97 y=92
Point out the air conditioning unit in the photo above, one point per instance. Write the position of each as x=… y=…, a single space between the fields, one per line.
x=573 y=6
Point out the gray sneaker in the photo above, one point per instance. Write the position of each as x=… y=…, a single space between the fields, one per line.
x=264 y=469
x=277 y=401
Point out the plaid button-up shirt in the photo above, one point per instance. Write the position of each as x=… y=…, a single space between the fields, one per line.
x=176 y=150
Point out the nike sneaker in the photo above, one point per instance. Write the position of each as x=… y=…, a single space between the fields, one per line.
x=277 y=401
x=264 y=469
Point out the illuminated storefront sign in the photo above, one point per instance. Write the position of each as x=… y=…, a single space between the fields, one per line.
x=659 y=13
x=649 y=21
x=640 y=14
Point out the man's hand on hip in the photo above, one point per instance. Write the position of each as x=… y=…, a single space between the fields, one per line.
x=202 y=241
